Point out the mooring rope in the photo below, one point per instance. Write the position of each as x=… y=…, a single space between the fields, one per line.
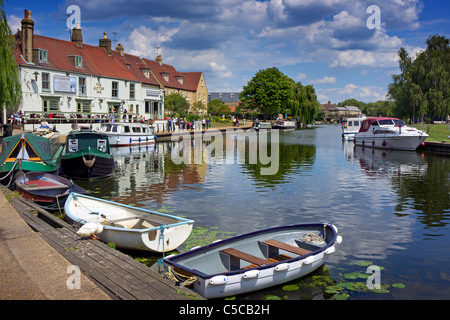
x=175 y=276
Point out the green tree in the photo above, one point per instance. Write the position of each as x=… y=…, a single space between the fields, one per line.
x=217 y=108
x=176 y=104
x=304 y=103
x=268 y=91
x=423 y=86
x=10 y=88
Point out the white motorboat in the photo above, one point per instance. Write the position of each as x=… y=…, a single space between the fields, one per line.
x=389 y=133
x=129 y=227
x=351 y=127
x=128 y=133
x=253 y=261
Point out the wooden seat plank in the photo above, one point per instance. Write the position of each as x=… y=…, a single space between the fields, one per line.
x=286 y=247
x=245 y=256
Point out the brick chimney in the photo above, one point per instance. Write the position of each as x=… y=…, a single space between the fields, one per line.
x=105 y=43
x=120 y=49
x=77 y=38
x=27 y=36
x=159 y=59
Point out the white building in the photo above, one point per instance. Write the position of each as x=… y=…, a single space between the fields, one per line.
x=70 y=82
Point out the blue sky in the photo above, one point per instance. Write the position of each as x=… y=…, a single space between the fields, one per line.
x=326 y=43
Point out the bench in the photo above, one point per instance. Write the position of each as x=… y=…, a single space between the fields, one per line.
x=232 y=258
x=286 y=247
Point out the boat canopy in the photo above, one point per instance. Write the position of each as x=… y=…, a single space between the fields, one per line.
x=26 y=146
x=375 y=121
x=79 y=140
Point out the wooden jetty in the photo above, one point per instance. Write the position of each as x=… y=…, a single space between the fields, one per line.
x=117 y=274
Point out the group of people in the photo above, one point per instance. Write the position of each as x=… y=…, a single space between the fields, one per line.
x=182 y=124
x=16 y=118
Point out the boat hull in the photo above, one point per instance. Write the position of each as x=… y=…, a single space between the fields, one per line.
x=391 y=142
x=45 y=188
x=129 y=227
x=120 y=140
x=215 y=279
x=78 y=166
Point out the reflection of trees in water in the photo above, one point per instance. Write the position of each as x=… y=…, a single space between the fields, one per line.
x=293 y=159
x=421 y=181
x=429 y=192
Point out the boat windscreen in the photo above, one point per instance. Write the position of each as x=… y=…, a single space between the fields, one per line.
x=385 y=122
x=399 y=122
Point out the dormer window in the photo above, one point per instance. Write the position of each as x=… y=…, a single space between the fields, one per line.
x=180 y=80
x=165 y=76
x=146 y=72
x=42 y=55
x=77 y=61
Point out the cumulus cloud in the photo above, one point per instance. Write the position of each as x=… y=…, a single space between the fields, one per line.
x=323 y=80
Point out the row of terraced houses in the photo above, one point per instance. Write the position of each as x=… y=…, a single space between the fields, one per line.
x=69 y=79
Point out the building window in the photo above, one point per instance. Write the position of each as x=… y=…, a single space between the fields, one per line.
x=115 y=89
x=50 y=105
x=45 y=81
x=78 y=62
x=82 y=86
x=180 y=80
x=146 y=73
x=165 y=76
x=42 y=55
x=132 y=91
x=83 y=107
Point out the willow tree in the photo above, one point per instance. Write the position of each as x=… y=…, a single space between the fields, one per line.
x=10 y=88
x=304 y=104
x=423 y=86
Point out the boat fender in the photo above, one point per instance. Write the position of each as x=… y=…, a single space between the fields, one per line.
x=309 y=260
x=282 y=267
x=330 y=250
x=218 y=280
x=251 y=274
x=339 y=239
x=383 y=143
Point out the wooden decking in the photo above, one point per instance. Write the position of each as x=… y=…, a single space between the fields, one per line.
x=117 y=274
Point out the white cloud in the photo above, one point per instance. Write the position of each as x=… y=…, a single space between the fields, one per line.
x=324 y=80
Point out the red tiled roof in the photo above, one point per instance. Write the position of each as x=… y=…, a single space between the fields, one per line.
x=95 y=59
x=190 y=79
x=97 y=62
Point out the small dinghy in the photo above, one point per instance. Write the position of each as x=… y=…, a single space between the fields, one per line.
x=129 y=227
x=253 y=261
x=45 y=189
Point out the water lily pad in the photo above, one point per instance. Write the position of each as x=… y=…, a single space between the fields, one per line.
x=398 y=285
x=362 y=263
x=272 y=297
x=341 y=296
x=290 y=287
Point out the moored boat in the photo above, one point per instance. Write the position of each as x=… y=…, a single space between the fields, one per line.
x=128 y=133
x=87 y=155
x=129 y=227
x=389 y=133
x=254 y=261
x=46 y=189
x=28 y=152
x=257 y=125
x=351 y=127
x=284 y=124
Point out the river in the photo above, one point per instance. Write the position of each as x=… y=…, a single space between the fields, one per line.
x=391 y=207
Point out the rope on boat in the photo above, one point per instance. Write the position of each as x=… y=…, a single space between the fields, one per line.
x=314 y=238
x=179 y=278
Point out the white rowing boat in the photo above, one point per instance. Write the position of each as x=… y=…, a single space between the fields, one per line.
x=129 y=227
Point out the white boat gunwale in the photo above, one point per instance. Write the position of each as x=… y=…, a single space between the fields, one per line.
x=163 y=226
x=171 y=260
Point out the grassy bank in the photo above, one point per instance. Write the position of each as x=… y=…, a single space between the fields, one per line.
x=436 y=132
